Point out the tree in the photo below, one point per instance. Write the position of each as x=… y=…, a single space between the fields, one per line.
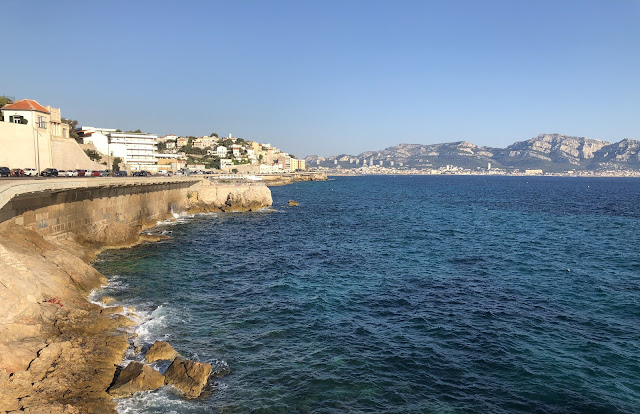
x=162 y=146
x=93 y=155
x=137 y=131
x=4 y=101
x=116 y=164
x=214 y=134
x=73 y=124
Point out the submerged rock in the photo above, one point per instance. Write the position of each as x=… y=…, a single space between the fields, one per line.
x=136 y=377
x=160 y=350
x=293 y=203
x=188 y=376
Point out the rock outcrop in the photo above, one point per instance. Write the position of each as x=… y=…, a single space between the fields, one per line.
x=293 y=203
x=229 y=197
x=59 y=352
x=136 y=377
x=188 y=376
x=160 y=351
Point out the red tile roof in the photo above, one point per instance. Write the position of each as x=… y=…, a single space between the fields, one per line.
x=26 y=105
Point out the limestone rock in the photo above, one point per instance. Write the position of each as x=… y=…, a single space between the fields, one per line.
x=112 y=310
x=159 y=351
x=188 y=376
x=108 y=300
x=293 y=203
x=136 y=377
x=229 y=197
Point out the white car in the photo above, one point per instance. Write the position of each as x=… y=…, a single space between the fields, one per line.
x=65 y=173
x=30 y=172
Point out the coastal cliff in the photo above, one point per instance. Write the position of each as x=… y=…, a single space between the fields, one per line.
x=58 y=352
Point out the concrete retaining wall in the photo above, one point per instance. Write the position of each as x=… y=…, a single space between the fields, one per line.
x=96 y=210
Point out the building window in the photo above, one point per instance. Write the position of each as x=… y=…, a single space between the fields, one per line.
x=42 y=122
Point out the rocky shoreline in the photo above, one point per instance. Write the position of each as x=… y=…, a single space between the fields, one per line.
x=60 y=353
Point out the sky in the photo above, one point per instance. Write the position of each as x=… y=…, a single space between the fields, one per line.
x=331 y=77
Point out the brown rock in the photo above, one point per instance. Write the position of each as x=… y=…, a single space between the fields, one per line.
x=112 y=310
x=108 y=300
x=160 y=350
x=136 y=377
x=293 y=203
x=188 y=376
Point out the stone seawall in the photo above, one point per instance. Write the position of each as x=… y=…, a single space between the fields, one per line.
x=58 y=352
x=111 y=211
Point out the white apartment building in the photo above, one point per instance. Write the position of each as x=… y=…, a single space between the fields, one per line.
x=136 y=150
x=221 y=151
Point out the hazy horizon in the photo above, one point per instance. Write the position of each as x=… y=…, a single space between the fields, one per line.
x=333 y=77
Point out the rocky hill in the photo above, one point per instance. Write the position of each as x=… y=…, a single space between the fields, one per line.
x=551 y=152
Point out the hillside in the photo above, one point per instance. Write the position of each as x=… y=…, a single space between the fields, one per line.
x=550 y=152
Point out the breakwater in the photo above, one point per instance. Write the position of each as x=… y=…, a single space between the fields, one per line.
x=59 y=352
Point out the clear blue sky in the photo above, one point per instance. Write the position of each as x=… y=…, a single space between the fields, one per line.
x=328 y=77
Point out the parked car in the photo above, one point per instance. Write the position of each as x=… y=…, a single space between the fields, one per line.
x=95 y=173
x=79 y=173
x=120 y=174
x=49 y=172
x=142 y=174
x=30 y=172
x=65 y=173
x=5 y=172
x=17 y=172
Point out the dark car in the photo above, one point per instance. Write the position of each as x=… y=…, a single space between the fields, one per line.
x=120 y=174
x=17 y=172
x=141 y=174
x=5 y=172
x=49 y=172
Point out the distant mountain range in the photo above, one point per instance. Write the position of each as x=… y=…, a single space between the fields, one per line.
x=549 y=152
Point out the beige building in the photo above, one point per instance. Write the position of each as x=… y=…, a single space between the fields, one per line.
x=33 y=136
x=296 y=164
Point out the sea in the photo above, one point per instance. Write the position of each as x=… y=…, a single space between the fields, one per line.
x=399 y=294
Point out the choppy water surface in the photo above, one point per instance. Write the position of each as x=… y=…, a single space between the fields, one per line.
x=402 y=295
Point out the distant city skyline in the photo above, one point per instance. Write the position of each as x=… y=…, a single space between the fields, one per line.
x=333 y=77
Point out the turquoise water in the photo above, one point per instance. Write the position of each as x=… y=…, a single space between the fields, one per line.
x=401 y=295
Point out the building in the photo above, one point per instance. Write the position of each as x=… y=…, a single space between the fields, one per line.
x=181 y=142
x=296 y=164
x=221 y=151
x=34 y=136
x=137 y=150
x=204 y=142
x=236 y=149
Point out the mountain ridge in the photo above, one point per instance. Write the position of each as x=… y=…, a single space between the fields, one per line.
x=551 y=152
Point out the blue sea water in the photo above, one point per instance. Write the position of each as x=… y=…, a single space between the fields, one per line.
x=402 y=294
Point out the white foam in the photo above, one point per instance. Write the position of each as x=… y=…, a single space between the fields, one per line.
x=165 y=400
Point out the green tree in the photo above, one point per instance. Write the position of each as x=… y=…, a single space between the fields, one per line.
x=137 y=131
x=4 y=101
x=73 y=124
x=116 y=164
x=214 y=134
x=93 y=155
x=162 y=146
